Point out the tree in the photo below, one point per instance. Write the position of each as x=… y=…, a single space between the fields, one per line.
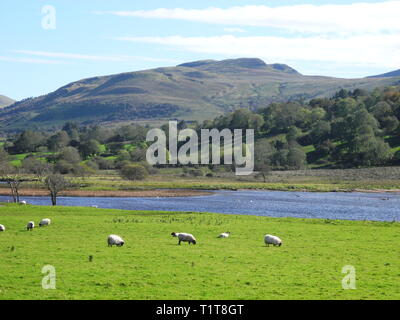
x=69 y=154
x=296 y=157
x=14 y=178
x=90 y=148
x=55 y=183
x=58 y=141
x=4 y=161
x=138 y=154
x=263 y=152
x=28 y=141
x=133 y=172
x=37 y=167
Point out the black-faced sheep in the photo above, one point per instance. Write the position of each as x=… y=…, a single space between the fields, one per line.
x=30 y=225
x=184 y=237
x=113 y=239
x=224 y=235
x=270 y=239
x=44 y=222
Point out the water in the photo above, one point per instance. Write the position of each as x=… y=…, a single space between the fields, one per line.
x=324 y=205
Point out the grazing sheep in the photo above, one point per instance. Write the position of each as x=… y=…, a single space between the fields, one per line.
x=224 y=235
x=270 y=239
x=185 y=237
x=94 y=206
x=30 y=225
x=2 y=228
x=44 y=222
x=114 y=239
x=23 y=202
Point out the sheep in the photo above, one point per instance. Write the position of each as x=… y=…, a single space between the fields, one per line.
x=2 y=228
x=30 y=225
x=44 y=222
x=224 y=235
x=270 y=239
x=114 y=239
x=94 y=206
x=23 y=202
x=185 y=237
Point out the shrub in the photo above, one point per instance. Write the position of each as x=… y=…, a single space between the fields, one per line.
x=133 y=172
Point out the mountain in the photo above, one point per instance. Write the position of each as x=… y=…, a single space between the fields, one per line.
x=196 y=90
x=5 y=101
x=395 y=73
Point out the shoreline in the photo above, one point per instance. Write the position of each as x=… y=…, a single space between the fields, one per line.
x=168 y=193
x=112 y=193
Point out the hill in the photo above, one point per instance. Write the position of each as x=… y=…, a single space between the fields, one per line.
x=5 y=101
x=191 y=91
x=395 y=73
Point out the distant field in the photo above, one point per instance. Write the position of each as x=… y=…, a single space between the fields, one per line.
x=323 y=180
x=152 y=266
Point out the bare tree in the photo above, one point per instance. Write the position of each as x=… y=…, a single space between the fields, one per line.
x=55 y=183
x=13 y=177
x=37 y=167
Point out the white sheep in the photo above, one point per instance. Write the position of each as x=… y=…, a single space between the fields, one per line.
x=23 y=202
x=185 y=237
x=270 y=239
x=94 y=206
x=2 y=228
x=113 y=239
x=44 y=222
x=30 y=225
x=224 y=235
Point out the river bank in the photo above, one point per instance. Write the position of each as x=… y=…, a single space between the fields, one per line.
x=111 y=193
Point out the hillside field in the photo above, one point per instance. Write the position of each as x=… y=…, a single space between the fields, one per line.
x=152 y=266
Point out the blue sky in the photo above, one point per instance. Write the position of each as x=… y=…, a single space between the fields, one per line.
x=100 y=37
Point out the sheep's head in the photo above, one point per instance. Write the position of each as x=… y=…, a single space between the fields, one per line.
x=194 y=241
x=173 y=234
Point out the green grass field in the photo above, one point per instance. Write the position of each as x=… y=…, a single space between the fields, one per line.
x=152 y=266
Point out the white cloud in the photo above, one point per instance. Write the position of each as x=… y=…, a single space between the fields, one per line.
x=77 y=56
x=232 y=30
x=66 y=55
x=346 y=18
x=364 y=50
x=30 y=60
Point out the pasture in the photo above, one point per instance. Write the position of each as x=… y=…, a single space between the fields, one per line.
x=152 y=266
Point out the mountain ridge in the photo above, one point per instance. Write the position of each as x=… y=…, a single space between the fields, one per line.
x=5 y=101
x=196 y=90
x=395 y=73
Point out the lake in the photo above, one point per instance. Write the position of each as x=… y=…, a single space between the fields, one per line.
x=323 y=205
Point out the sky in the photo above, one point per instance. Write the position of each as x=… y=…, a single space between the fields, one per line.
x=45 y=44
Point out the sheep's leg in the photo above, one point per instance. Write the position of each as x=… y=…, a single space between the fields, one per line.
x=179 y=242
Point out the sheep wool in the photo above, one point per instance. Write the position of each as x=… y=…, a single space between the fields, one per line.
x=44 y=222
x=184 y=237
x=2 y=228
x=224 y=235
x=113 y=239
x=270 y=239
x=30 y=225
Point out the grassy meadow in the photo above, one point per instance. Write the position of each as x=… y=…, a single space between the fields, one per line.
x=152 y=266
